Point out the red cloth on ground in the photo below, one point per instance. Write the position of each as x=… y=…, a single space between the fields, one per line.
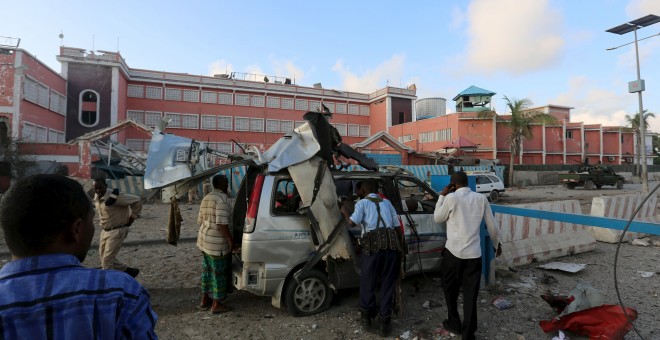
x=602 y=322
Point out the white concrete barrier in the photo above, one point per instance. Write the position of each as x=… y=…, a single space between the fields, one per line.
x=621 y=207
x=526 y=239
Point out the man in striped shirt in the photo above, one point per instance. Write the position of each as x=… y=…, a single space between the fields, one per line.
x=48 y=224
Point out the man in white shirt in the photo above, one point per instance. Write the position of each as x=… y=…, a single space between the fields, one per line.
x=463 y=210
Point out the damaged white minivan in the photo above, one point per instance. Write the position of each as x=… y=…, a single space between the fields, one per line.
x=295 y=245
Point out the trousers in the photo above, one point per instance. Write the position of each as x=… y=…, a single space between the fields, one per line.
x=109 y=246
x=382 y=267
x=455 y=273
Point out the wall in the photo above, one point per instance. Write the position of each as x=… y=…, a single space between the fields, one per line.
x=87 y=77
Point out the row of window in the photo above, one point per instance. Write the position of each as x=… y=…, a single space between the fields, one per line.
x=42 y=95
x=40 y=134
x=229 y=123
x=435 y=136
x=226 y=98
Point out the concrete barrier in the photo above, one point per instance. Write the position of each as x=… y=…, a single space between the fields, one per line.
x=621 y=207
x=525 y=239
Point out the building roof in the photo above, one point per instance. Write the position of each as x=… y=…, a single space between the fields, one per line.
x=385 y=137
x=461 y=143
x=474 y=91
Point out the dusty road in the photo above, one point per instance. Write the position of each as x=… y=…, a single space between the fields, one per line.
x=171 y=275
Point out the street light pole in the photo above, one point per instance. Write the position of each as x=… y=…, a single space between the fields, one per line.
x=642 y=125
x=638 y=86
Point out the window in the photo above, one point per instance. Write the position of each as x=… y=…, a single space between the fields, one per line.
x=151 y=118
x=286 y=126
x=426 y=137
x=258 y=101
x=341 y=108
x=209 y=97
x=190 y=121
x=365 y=130
x=353 y=109
x=272 y=125
x=175 y=119
x=136 y=116
x=224 y=123
x=154 y=92
x=569 y=134
x=287 y=103
x=413 y=193
x=57 y=102
x=353 y=130
x=209 y=122
x=29 y=132
x=191 y=96
x=30 y=91
x=243 y=99
x=315 y=105
x=62 y=107
x=405 y=138
x=330 y=106
x=257 y=124
x=172 y=94
x=302 y=105
x=136 y=91
x=273 y=102
x=286 y=201
x=88 y=109
x=242 y=124
x=364 y=110
x=44 y=94
x=42 y=134
x=341 y=128
x=483 y=180
x=225 y=147
x=225 y=98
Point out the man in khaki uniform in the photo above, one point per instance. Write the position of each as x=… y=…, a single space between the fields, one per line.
x=117 y=211
x=216 y=243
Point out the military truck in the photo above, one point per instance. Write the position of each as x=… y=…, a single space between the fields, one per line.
x=591 y=177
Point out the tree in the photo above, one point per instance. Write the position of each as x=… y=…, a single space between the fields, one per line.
x=633 y=123
x=13 y=163
x=520 y=124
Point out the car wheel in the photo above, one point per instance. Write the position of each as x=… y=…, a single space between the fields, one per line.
x=619 y=184
x=589 y=185
x=494 y=196
x=598 y=186
x=311 y=296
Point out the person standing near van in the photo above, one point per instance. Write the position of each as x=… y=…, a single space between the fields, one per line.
x=216 y=243
x=463 y=210
x=379 y=261
x=117 y=211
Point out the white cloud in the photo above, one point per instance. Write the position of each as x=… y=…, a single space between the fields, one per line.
x=513 y=36
x=370 y=80
x=220 y=67
x=639 y=8
x=289 y=70
x=595 y=105
x=457 y=18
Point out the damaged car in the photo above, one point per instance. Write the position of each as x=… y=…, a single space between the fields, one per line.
x=295 y=245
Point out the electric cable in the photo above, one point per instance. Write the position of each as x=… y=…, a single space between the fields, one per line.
x=616 y=258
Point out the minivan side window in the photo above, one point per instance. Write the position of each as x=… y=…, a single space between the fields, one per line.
x=495 y=179
x=483 y=180
x=286 y=199
x=415 y=198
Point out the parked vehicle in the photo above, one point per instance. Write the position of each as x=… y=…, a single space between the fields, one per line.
x=277 y=241
x=591 y=177
x=488 y=184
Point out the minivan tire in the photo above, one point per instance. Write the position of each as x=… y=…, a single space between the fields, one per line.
x=311 y=296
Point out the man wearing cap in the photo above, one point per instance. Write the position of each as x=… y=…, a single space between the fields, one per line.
x=117 y=211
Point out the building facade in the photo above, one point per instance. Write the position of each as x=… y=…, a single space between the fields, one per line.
x=44 y=110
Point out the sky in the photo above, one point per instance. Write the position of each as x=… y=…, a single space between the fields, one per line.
x=549 y=51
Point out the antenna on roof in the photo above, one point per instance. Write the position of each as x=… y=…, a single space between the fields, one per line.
x=61 y=38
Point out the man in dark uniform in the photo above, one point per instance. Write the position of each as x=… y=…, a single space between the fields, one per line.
x=379 y=261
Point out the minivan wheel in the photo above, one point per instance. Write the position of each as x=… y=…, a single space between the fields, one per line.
x=494 y=196
x=311 y=296
x=619 y=184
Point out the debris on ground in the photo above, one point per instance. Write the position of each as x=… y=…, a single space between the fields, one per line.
x=431 y=304
x=561 y=336
x=602 y=322
x=405 y=335
x=548 y=280
x=584 y=296
x=644 y=242
x=564 y=266
x=502 y=303
x=645 y=274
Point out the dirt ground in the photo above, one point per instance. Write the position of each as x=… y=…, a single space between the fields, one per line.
x=171 y=274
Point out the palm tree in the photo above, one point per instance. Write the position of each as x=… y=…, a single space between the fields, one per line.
x=633 y=123
x=521 y=123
